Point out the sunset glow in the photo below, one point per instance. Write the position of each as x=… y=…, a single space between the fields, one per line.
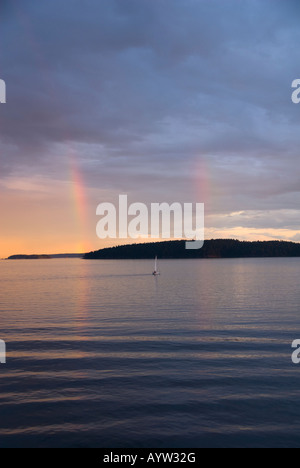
x=82 y=126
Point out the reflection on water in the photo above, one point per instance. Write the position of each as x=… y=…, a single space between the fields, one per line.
x=103 y=354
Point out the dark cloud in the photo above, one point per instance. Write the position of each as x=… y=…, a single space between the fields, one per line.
x=142 y=90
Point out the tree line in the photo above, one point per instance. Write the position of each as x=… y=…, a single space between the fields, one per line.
x=216 y=248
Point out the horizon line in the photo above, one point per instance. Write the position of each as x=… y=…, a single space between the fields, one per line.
x=141 y=243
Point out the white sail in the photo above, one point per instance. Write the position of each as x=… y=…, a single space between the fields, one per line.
x=156 y=272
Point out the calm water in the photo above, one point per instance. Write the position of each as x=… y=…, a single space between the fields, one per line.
x=102 y=354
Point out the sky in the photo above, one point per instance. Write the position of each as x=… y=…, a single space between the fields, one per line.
x=163 y=100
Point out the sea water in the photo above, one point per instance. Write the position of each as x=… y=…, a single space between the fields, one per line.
x=103 y=354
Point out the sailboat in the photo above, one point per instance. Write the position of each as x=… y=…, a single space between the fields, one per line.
x=156 y=272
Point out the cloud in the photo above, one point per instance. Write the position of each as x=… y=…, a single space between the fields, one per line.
x=142 y=94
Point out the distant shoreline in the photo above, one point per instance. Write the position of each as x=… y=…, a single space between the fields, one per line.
x=175 y=250
x=43 y=257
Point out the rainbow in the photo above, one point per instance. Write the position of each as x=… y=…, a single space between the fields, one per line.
x=79 y=202
x=74 y=175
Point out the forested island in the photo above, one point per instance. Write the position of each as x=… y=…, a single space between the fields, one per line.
x=219 y=248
